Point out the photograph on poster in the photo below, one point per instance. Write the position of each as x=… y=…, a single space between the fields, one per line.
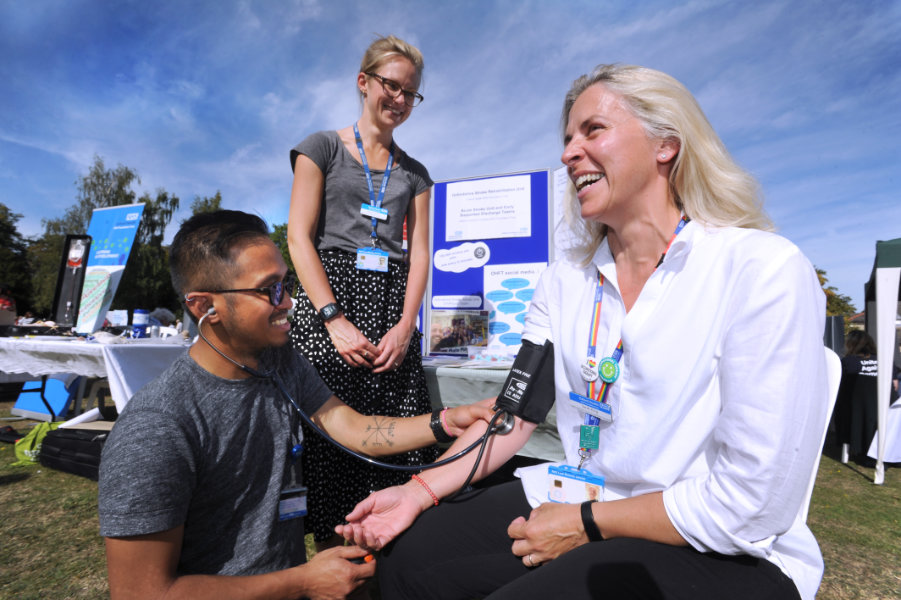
x=454 y=331
x=508 y=293
x=481 y=209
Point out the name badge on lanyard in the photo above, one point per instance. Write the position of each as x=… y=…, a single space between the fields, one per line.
x=573 y=486
x=292 y=500
x=374 y=212
x=593 y=407
x=372 y=259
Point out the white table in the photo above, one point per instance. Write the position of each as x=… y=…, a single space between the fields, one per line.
x=128 y=365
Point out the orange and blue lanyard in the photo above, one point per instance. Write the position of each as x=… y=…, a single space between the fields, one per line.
x=608 y=368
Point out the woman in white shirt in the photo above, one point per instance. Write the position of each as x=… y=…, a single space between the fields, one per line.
x=689 y=385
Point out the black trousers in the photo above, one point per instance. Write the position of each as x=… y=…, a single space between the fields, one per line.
x=460 y=550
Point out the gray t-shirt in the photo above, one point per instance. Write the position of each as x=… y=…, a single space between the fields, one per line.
x=213 y=454
x=341 y=226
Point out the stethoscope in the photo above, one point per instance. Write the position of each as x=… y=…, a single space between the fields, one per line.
x=505 y=426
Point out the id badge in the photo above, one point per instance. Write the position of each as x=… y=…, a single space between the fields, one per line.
x=292 y=503
x=372 y=259
x=570 y=485
x=601 y=410
x=374 y=212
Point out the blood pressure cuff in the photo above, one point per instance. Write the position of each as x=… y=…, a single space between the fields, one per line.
x=528 y=391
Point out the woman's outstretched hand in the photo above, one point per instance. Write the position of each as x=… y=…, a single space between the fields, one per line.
x=384 y=515
x=351 y=344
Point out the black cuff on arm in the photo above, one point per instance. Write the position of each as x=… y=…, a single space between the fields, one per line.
x=591 y=528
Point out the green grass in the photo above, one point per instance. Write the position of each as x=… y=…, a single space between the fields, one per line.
x=50 y=546
x=858 y=526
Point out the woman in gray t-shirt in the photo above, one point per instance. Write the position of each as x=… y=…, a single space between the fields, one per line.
x=361 y=290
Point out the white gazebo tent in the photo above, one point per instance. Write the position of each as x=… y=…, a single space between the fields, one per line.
x=883 y=291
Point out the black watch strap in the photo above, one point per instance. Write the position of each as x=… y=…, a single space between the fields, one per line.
x=329 y=311
x=591 y=528
x=437 y=428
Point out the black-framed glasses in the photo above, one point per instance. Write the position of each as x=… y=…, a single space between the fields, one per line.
x=393 y=89
x=276 y=291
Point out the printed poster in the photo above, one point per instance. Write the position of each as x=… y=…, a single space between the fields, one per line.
x=508 y=293
x=112 y=232
x=483 y=209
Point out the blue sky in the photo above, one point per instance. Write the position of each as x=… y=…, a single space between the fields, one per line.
x=206 y=96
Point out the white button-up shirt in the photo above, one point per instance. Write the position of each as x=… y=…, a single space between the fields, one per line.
x=722 y=393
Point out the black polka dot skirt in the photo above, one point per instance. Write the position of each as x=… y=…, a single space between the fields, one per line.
x=372 y=301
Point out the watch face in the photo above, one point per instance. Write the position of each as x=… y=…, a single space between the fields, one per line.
x=328 y=311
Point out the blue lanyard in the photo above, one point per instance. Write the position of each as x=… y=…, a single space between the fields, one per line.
x=376 y=202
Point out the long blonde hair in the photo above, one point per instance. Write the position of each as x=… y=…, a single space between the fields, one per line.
x=705 y=182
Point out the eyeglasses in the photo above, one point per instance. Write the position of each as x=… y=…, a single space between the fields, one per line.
x=393 y=89
x=276 y=291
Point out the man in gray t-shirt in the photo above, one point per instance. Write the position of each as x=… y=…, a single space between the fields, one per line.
x=201 y=493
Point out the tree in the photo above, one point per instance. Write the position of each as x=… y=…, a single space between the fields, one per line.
x=206 y=204
x=98 y=189
x=279 y=235
x=146 y=282
x=101 y=187
x=837 y=304
x=14 y=269
x=44 y=257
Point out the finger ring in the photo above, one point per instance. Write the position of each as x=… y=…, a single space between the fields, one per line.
x=365 y=353
x=529 y=558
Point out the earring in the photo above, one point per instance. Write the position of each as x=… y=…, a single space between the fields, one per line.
x=663 y=156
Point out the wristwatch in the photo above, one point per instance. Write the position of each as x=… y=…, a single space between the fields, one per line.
x=329 y=311
x=591 y=527
x=438 y=429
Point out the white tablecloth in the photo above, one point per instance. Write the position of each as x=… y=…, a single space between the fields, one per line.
x=128 y=365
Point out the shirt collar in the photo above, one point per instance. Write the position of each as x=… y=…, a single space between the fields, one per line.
x=681 y=246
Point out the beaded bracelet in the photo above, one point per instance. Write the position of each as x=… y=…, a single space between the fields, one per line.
x=420 y=481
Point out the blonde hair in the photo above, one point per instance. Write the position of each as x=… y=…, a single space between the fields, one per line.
x=705 y=182
x=383 y=49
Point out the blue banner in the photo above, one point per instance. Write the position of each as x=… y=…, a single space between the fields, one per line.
x=112 y=230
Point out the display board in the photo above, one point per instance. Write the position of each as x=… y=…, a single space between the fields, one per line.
x=70 y=280
x=490 y=242
x=112 y=231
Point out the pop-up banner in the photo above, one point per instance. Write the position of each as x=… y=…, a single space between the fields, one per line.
x=112 y=232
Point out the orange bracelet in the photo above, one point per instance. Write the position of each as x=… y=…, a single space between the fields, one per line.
x=420 y=481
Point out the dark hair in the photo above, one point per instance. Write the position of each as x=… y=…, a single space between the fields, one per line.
x=859 y=343
x=202 y=254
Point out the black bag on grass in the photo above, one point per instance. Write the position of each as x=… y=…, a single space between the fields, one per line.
x=75 y=451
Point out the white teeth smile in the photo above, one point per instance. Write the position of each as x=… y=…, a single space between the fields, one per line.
x=280 y=321
x=583 y=181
